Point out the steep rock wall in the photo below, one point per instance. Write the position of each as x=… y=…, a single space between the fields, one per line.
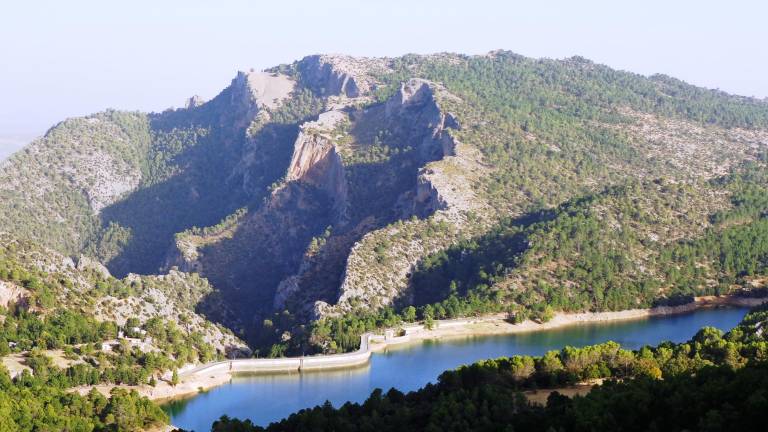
x=317 y=162
x=416 y=106
x=266 y=247
x=370 y=275
x=379 y=265
x=336 y=75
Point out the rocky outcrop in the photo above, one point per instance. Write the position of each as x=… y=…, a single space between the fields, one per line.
x=12 y=294
x=85 y=263
x=320 y=273
x=186 y=252
x=417 y=104
x=288 y=287
x=379 y=265
x=412 y=119
x=269 y=89
x=445 y=187
x=194 y=102
x=252 y=92
x=317 y=162
x=335 y=75
x=183 y=256
x=264 y=94
x=424 y=200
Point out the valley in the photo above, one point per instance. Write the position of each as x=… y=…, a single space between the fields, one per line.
x=335 y=199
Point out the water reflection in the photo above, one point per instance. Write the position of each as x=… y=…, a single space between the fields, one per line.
x=266 y=398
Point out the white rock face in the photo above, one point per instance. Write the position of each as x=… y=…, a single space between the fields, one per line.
x=103 y=178
x=339 y=75
x=269 y=89
x=415 y=91
x=446 y=186
x=316 y=159
x=285 y=289
x=326 y=121
x=11 y=294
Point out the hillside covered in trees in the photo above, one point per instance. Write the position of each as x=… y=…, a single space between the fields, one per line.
x=310 y=202
x=66 y=327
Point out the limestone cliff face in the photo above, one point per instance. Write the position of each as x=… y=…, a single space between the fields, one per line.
x=417 y=103
x=425 y=199
x=264 y=93
x=416 y=107
x=331 y=80
x=379 y=264
x=367 y=273
x=12 y=294
x=317 y=162
x=268 y=89
x=251 y=93
x=336 y=75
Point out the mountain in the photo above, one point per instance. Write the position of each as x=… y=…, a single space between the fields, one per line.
x=336 y=189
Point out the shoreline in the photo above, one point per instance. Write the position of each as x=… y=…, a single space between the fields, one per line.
x=197 y=379
x=496 y=324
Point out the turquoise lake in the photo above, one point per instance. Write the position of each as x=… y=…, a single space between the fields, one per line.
x=268 y=398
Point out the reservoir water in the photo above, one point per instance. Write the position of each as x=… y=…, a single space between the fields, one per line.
x=268 y=398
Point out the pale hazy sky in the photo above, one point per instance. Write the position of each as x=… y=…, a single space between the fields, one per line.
x=67 y=58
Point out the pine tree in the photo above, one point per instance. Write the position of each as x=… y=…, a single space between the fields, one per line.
x=175 y=377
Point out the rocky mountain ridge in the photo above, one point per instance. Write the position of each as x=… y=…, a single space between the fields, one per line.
x=320 y=188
